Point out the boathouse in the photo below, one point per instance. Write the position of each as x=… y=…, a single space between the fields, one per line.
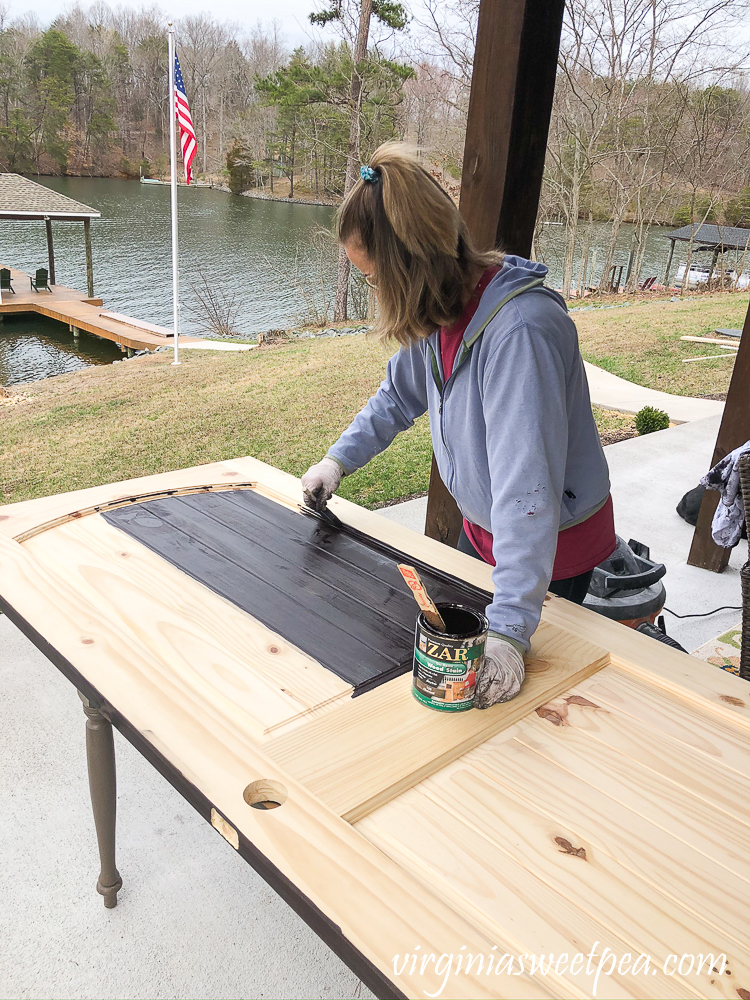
x=25 y=200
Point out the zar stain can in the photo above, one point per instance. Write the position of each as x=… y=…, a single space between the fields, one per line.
x=446 y=663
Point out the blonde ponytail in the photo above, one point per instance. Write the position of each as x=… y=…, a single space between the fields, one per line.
x=424 y=261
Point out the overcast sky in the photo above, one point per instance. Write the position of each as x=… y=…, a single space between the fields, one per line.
x=292 y=15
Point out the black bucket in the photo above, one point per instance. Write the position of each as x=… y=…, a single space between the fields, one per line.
x=446 y=664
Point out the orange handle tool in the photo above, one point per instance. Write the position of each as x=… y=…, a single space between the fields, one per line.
x=423 y=599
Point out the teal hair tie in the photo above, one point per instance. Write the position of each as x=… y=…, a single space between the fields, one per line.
x=368 y=175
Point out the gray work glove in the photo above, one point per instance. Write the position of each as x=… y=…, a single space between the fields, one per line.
x=320 y=482
x=501 y=674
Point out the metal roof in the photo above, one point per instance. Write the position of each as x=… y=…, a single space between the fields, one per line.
x=21 y=198
x=728 y=237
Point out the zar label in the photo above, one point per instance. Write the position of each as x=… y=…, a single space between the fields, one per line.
x=445 y=676
x=447 y=660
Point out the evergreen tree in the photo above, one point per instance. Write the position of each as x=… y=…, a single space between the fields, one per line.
x=16 y=148
x=311 y=101
x=52 y=65
x=392 y=15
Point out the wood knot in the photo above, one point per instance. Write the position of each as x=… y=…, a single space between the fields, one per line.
x=230 y=473
x=273 y=649
x=124 y=555
x=536 y=666
x=577 y=699
x=87 y=642
x=558 y=714
x=567 y=848
x=731 y=700
x=552 y=715
x=4 y=517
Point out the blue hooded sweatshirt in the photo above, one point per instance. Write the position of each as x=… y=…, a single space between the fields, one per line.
x=512 y=431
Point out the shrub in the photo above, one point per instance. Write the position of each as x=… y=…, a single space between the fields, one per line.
x=240 y=172
x=700 y=207
x=128 y=169
x=650 y=419
x=737 y=211
x=218 y=307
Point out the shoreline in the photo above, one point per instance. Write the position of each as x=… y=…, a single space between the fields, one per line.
x=214 y=185
x=262 y=196
x=304 y=199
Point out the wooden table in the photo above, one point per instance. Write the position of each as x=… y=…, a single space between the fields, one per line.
x=606 y=807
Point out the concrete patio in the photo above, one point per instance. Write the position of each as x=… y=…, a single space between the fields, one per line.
x=193 y=919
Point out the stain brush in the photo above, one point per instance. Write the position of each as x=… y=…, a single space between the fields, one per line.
x=324 y=514
x=331 y=518
x=423 y=599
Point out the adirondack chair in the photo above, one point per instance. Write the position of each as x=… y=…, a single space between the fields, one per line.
x=648 y=284
x=5 y=283
x=40 y=281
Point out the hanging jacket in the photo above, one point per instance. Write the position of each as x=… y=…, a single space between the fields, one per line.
x=729 y=517
x=512 y=429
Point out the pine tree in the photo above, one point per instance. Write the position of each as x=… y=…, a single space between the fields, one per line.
x=393 y=15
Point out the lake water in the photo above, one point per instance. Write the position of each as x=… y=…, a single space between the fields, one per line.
x=34 y=347
x=595 y=236
x=267 y=256
x=249 y=248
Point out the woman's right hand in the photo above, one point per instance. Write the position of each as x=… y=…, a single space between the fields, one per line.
x=320 y=482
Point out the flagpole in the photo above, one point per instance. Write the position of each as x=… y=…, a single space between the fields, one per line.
x=173 y=198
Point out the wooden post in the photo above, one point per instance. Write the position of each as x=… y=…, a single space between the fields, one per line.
x=50 y=251
x=628 y=269
x=713 y=266
x=89 y=261
x=734 y=431
x=512 y=87
x=669 y=264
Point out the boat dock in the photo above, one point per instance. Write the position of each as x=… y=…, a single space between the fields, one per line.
x=81 y=313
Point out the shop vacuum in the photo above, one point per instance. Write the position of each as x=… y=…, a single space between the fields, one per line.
x=627 y=588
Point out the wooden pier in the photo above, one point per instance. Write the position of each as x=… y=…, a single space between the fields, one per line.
x=81 y=313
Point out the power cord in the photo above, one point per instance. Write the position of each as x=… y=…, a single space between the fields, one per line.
x=705 y=614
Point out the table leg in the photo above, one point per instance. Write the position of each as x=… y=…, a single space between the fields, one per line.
x=100 y=757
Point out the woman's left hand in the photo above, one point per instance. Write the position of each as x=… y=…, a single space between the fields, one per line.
x=502 y=672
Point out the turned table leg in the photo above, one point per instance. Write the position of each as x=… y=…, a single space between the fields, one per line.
x=100 y=757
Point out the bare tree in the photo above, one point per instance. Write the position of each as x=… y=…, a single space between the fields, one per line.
x=203 y=42
x=710 y=151
x=613 y=137
x=353 y=19
x=265 y=49
x=449 y=34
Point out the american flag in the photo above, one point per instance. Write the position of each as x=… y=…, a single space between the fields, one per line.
x=182 y=111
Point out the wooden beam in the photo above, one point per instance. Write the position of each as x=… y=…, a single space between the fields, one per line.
x=89 y=261
x=734 y=431
x=669 y=264
x=50 y=251
x=532 y=109
x=512 y=87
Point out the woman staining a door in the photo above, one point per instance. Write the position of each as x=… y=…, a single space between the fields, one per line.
x=493 y=356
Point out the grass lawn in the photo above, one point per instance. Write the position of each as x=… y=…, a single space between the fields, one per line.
x=284 y=405
x=642 y=343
